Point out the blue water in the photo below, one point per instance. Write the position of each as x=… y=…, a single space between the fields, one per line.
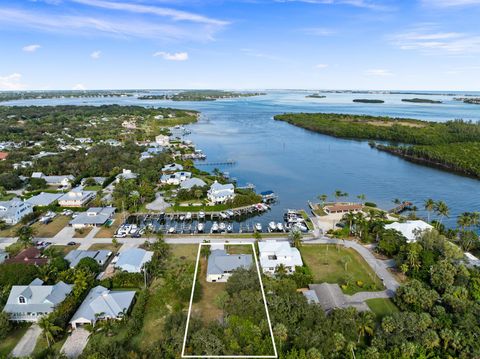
x=300 y=165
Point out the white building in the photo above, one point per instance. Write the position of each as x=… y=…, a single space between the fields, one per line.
x=221 y=264
x=93 y=217
x=14 y=210
x=221 y=193
x=410 y=229
x=133 y=260
x=28 y=303
x=172 y=167
x=126 y=175
x=77 y=197
x=162 y=140
x=175 y=178
x=275 y=253
x=59 y=181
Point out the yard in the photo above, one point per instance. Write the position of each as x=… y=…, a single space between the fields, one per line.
x=82 y=232
x=109 y=231
x=381 y=307
x=7 y=344
x=10 y=230
x=337 y=264
x=107 y=246
x=51 y=229
x=239 y=249
x=64 y=249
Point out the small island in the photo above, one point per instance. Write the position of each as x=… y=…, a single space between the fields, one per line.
x=420 y=100
x=200 y=95
x=315 y=95
x=366 y=100
x=470 y=100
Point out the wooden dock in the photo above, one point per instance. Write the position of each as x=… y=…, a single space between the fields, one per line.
x=219 y=163
x=404 y=206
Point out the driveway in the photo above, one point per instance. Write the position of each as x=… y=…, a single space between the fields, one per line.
x=26 y=345
x=75 y=343
x=158 y=204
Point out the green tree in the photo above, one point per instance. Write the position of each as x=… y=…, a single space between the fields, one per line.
x=429 y=206
x=25 y=236
x=5 y=325
x=49 y=329
x=365 y=324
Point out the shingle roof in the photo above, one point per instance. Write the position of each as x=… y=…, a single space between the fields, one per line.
x=132 y=260
x=44 y=199
x=220 y=262
x=94 y=216
x=75 y=256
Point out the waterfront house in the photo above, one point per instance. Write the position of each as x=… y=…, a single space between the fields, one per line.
x=343 y=208
x=12 y=211
x=175 y=178
x=100 y=256
x=31 y=256
x=133 y=260
x=126 y=175
x=44 y=199
x=64 y=181
x=188 y=184
x=102 y=304
x=172 y=167
x=28 y=303
x=276 y=253
x=77 y=197
x=162 y=140
x=221 y=264
x=410 y=229
x=93 y=217
x=221 y=193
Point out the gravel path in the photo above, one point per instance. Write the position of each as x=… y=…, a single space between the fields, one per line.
x=75 y=343
x=26 y=345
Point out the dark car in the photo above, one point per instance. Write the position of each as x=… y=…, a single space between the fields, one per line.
x=71 y=243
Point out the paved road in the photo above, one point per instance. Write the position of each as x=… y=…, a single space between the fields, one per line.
x=75 y=343
x=27 y=343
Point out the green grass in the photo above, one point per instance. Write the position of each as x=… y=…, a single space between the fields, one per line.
x=64 y=249
x=42 y=345
x=7 y=197
x=184 y=251
x=381 y=307
x=106 y=246
x=239 y=249
x=307 y=219
x=51 y=229
x=93 y=188
x=7 y=344
x=326 y=264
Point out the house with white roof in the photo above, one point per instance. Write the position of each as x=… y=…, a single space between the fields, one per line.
x=192 y=182
x=162 y=140
x=58 y=181
x=172 y=167
x=221 y=193
x=221 y=264
x=44 y=199
x=77 y=197
x=133 y=260
x=93 y=217
x=276 y=253
x=14 y=210
x=410 y=229
x=175 y=178
x=28 y=303
x=126 y=175
x=101 y=256
x=102 y=304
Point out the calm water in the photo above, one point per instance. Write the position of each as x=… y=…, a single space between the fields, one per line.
x=299 y=165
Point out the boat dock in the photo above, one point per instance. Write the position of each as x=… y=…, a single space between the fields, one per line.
x=219 y=163
x=404 y=206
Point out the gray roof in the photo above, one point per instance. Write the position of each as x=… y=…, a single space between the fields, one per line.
x=44 y=199
x=311 y=296
x=101 y=300
x=94 y=216
x=75 y=256
x=39 y=297
x=192 y=182
x=219 y=262
x=132 y=260
x=330 y=296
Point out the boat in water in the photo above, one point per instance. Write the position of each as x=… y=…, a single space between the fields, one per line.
x=172 y=230
x=258 y=227
x=188 y=216
x=214 y=227
x=229 y=228
x=201 y=215
x=280 y=227
x=200 y=227
x=272 y=226
x=223 y=215
x=182 y=217
x=222 y=227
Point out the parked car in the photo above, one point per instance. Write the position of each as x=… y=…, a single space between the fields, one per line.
x=71 y=243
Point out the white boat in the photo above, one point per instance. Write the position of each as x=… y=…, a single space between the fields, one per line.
x=230 y=213
x=301 y=227
x=200 y=227
x=133 y=228
x=229 y=228
x=223 y=215
x=201 y=215
x=182 y=217
x=222 y=227
x=258 y=227
x=272 y=226
x=188 y=216
x=171 y=230
x=280 y=227
x=214 y=227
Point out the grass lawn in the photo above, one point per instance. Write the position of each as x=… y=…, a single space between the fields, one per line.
x=7 y=197
x=107 y=246
x=239 y=249
x=82 y=233
x=93 y=188
x=64 y=249
x=185 y=251
x=108 y=232
x=10 y=231
x=51 y=229
x=307 y=219
x=7 y=344
x=381 y=307
x=327 y=265
x=42 y=345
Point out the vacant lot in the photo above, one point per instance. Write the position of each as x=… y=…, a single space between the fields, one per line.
x=337 y=264
x=239 y=249
x=10 y=231
x=51 y=229
x=185 y=251
x=107 y=246
x=381 y=307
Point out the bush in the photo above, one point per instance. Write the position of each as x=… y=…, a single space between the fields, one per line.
x=10 y=181
x=359 y=283
x=5 y=325
x=370 y=204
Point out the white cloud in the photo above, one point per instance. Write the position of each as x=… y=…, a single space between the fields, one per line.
x=321 y=66
x=318 y=31
x=96 y=55
x=31 y=48
x=79 y=87
x=11 y=82
x=378 y=72
x=177 y=56
x=367 y=4
x=450 y=3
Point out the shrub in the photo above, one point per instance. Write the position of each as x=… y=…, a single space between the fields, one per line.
x=370 y=204
x=359 y=283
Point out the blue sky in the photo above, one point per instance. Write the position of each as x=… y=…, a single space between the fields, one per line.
x=249 y=44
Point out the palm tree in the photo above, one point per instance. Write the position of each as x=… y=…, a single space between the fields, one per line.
x=442 y=210
x=49 y=328
x=323 y=198
x=365 y=324
x=280 y=270
x=337 y=194
x=25 y=235
x=296 y=238
x=345 y=260
x=361 y=197
x=464 y=220
x=429 y=206
x=350 y=218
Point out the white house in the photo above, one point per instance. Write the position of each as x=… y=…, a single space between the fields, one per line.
x=192 y=182
x=44 y=199
x=221 y=193
x=77 y=197
x=410 y=229
x=126 y=175
x=74 y=257
x=93 y=217
x=102 y=304
x=133 y=260
x=28 y=303
x=162 y=140
x=14 y=210
x=59 y=181
x=172 y=167
x=275 y=253
x=221 y=264
x=175 y=178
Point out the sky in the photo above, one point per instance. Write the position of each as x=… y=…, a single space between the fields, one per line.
x=240 y=44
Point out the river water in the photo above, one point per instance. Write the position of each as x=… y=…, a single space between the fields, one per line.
x=299 y=165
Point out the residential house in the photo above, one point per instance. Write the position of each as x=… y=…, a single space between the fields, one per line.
x=410 y=229
x=329 y=296
x=221 y=264
x=221 y=193
x=102 y=304
x=175 y=178
x=100 y=256
x=192 y=182
x=3 y=256
x=84 y=140
x=64 y=181
x=77 y=197
x=129 y=124
x=44 y=199
x=343 y=208
x=22 y=164
x=150 y=152
x=133 y=260
x=162 y=140
x=98 y=180
x=28 y=303
x=172 y=167
x=30 y=255
x=126 y=175
x=14 y=210
x=93 y=217
x=276 y=253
